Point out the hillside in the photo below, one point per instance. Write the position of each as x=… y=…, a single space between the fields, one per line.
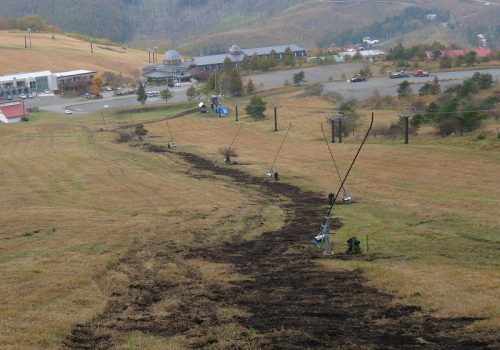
x=211 y=26
x=65 y=53
x=117 y=247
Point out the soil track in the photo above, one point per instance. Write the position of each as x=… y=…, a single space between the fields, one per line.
x=289 y=301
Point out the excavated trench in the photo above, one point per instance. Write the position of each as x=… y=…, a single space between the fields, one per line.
x=290 y=302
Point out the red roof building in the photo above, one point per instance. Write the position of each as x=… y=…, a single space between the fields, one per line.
x=12 y=112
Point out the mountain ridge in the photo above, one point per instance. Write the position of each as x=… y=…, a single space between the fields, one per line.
x=212 y=26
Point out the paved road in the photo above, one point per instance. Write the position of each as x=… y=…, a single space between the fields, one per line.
x=388 y=86
x=80 y=105
x=329 y=75
x=360 y=90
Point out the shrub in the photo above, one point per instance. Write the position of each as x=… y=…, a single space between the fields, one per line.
x=447 y=127
x=123 y=137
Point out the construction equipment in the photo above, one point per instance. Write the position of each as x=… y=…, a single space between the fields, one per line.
x=323 y=238
x=170 y=144
x=272 y=174
x=345 y=196
x=228 y=152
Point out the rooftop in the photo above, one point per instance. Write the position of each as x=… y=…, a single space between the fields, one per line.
x=73 y=72
x=20 y=76
x=13 y=109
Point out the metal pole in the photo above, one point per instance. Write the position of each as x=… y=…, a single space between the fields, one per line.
x=29 y=34
x=91 y=47
x=236 y=110
x=25 y=43
x=406 y=129
x=275 y=119
x=149 y=56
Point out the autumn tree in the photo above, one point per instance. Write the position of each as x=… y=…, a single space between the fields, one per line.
x=192 y=93
x=95 y=87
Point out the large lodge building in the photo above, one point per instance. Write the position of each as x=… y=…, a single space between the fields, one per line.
x=174 y=68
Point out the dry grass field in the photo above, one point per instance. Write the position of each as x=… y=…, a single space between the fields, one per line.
x=65 y=54
x=84 y=218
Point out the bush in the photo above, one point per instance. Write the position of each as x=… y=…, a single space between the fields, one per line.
x=447 y=127
x=124 y=137
x=481 y=136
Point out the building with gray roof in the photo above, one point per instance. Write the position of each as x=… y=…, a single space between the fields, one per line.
x=174 y=68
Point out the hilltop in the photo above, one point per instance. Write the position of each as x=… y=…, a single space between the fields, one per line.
x=65 y=53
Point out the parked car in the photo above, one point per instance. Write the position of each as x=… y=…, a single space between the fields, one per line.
x=421 y=73
x=9 y=97
x=400 y=74
x=47 y=91
x=31 y=96
x=356 y=79
x=68 y=111
x=178 y=84
x=23 y=96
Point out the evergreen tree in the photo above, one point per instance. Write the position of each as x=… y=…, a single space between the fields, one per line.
x=256 y=108
x=250 y=87
x=235 y=83
x=299 y=78
x=404 y=88
x=141 y=94
x=288 y=57
x=140 y=131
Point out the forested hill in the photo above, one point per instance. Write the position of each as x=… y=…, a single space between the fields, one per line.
x=211 y=26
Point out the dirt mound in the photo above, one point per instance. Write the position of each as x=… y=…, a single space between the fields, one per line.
x=289 y=302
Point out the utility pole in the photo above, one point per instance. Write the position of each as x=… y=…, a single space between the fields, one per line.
x=29 y=34
x=406 y=114
x=25 y=43
x=274 y=105
x=91 y=47
x=236 y=111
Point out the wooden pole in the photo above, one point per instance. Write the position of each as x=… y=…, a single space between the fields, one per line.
x=333 y=130
x=340 y=130
x=25 y=43
x=236 y=110
x=406 y=129
x=275 y=119
x=91 y=47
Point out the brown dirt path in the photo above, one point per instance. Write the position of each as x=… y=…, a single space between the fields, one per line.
x=289 y=301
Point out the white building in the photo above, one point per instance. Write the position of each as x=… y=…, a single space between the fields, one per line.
x=13 y=85
x=26 y=83
x=369 y=55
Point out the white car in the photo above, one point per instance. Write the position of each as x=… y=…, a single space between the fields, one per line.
x=178 y=84
x=68 y=111
x=23 y=96
x=47 y=91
